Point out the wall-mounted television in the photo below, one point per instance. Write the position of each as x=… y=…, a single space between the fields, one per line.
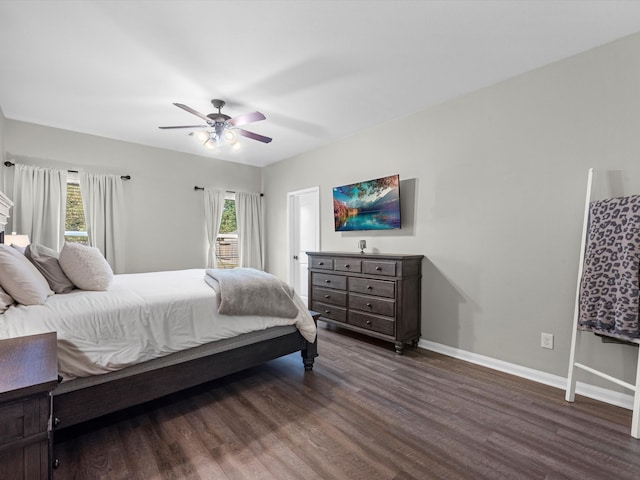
x=370 y=205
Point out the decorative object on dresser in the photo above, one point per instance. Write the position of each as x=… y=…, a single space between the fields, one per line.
x=28 y=375
x=375 y=294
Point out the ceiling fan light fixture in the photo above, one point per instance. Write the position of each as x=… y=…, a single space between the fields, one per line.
x=202 y=137
x=211 y=144
x=231 y=137
x=225 y=129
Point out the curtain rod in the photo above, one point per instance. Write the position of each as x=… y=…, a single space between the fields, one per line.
x=11 y=164
x=228 y=191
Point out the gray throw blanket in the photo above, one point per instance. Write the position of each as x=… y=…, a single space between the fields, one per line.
x=609 y=288
x=247 y=291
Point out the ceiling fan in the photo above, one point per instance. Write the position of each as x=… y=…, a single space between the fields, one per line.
x=224 y=127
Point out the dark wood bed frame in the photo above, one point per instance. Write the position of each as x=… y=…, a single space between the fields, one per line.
x=76 y=406
x=73 y=407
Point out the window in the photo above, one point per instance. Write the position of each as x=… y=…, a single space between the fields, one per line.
x=75 y=228
x=227 y=240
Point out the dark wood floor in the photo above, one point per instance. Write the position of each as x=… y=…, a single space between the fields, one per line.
x=363 y=413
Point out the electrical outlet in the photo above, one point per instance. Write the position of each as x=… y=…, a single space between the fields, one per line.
x=546 y=340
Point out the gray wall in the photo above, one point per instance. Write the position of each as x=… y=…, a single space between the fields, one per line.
x=3 y=121
x=493 y=187
x=2 y=185
x=165 y=216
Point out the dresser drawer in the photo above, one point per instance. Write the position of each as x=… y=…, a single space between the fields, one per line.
x=326 y=295
x=12 y=426
x=380 y=288
x=328 y=280
x=372 y=322
x=377 y=267
x=348 y=265
x=330 y=311
x=381 y=306
x=322 y=263
x=24 y=419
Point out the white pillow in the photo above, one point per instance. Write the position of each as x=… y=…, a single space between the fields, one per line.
x=20 y=279
x=85 y=266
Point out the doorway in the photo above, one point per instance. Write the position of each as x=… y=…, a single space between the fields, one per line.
x=304 y=235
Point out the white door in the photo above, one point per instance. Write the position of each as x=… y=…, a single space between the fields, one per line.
x=304 y=235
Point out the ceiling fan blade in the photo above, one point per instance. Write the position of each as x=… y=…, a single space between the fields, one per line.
x=186 y=126
x=246 y=118
x=191 y=110
x=254 y=136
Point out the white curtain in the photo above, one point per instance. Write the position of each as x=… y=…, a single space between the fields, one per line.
x=103 y=203
x=250 y=229
x=213 y=208
x=40 y=198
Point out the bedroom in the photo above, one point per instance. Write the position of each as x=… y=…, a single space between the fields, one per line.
x=497 y=187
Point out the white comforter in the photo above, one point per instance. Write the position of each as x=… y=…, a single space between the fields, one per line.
x=142 y=316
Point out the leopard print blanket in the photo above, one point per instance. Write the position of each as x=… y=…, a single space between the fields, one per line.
x=609 y=289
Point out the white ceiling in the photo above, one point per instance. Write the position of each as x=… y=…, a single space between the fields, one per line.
x=319 y=70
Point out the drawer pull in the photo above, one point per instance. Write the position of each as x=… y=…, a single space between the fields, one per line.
x=378 y=268
x=369 y=287
x=327 y=296
x=327 y=281
x=368 y=322
x=368 y=304
x=320 y=263
x=327 y=311
x=56 y=421
x=346 y=265
x=55 y=464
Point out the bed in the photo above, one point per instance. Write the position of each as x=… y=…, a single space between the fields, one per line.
x=149 y=335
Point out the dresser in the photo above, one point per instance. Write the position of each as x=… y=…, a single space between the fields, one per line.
x=375 y=294
x=28 y=374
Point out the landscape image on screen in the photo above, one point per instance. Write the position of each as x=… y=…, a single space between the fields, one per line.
x=370 y=205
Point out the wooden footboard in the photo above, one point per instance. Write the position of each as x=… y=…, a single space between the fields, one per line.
x=72 y=407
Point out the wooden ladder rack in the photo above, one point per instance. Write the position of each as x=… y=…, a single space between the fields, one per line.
x=575 y=336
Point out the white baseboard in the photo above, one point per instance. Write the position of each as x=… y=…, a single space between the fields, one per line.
x=597 y=393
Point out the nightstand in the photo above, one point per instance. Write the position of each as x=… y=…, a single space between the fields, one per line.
x=28 y=374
